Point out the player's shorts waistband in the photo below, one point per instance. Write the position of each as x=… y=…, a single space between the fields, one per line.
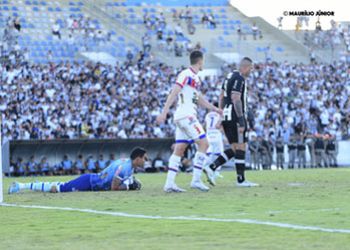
x=192 y=140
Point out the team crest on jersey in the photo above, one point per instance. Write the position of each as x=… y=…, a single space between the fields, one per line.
x=191 y=82
x=197 y=129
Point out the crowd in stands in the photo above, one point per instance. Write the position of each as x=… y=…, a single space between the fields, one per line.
x=9 y=47
x=337 y=37
x=94 y=100
x=171 y=38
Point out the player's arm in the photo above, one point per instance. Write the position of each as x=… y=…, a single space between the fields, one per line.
x=127 y=183
x=117 y=184
x=218 y=125
x=169 y=102
x=221 y=99
x=237 y=103
x=205 y=104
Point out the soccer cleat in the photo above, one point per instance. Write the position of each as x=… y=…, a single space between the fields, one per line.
x=247 y=184
x=199 y=185
x=211 y=176
x=14 y=188
x=218 y=175
x=173 y=189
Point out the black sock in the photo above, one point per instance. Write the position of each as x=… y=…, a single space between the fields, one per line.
x=240 y=165
x=224 y=157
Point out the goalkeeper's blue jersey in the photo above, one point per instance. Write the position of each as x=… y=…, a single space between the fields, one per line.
x=103 y=180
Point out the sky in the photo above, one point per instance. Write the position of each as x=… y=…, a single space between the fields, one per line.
x=271 y=9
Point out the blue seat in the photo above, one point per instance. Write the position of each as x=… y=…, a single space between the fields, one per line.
x=131 y=10
x=5 y=8
x=58 y=9
x=35 y=3
x=222 y=10
x=116 y=4
x=36 y=9
x=28 y=2
x=14 y=8
x=279 y=49
x=226 y=33
x=43 y=3
x=50 y=9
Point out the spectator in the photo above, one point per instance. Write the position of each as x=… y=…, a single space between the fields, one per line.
x=146 y=43
x=212 y=21
x=129 y=56
x=279 y=20
x=101 y=164
x=90 y=164
x=67 y=165
x=158 y=164
x=79 y=165
x=255 y=31
x=56 y=30
x=32 y=166
x=205 y=19
x=111 y=159
x=21 y=167
x=45 y=167
x=178 y=30
x=17 y=24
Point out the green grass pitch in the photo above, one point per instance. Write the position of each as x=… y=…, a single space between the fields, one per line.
x=316 y=197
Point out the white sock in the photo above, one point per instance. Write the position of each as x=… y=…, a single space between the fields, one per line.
x=24 y=186
x=174 y=162
x=199 y=162
x=42 y=186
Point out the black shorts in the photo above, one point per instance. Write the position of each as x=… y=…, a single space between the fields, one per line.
x=232 y=134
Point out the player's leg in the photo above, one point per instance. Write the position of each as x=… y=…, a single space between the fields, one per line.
x=181 y=143
x=16 y=187
x=239 y=146
x=195 y=132
x=225 y=156
x=173 y=167
x=81 y=183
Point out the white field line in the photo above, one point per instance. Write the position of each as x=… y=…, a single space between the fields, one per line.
x=289 y=211
x=188 y=218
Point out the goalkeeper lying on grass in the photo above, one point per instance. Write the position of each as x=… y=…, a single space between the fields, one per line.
x=117 y=176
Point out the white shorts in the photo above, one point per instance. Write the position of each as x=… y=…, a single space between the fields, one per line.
x=188 y=130
x=215 y=140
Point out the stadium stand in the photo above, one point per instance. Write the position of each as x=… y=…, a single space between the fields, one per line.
x=51 y=91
